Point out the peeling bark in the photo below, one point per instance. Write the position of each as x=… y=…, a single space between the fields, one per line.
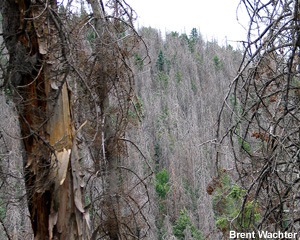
x=52 y=163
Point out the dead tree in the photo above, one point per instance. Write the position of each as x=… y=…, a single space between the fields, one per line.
x=45 y=71
x=263 y=102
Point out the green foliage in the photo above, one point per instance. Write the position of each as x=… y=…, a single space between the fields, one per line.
x=139 y=107
x=222 y=205
x=246 y=218
x=192 y=43
x=87 y=199
x=161 y=233
x=236 y=192
x=229 y=47
x=174 y=58
x=138 y=112
x=157 y=155
x=295 y=82
x=178 y=77
x=163 y=117
x=171 y=141
x=181 y=224
x=4 y=62
x=91 y=37
x=160 y=61
x=164 y=79
x=194 y=34
x=168 y=63
x=7 y=90
x=162 y=186
x=227 y=202
x=184 y=38
x=160 y=64
x=193 y=85
x=285 y=221
x=174 y=34
x=218 y=63
x=61 y=9
x=2 y=210
x=222 y=223
x=166 y=111
x=244 y=144
x=235 y=104
x=237 y=107
x=193 y=40
x=199 y=58
x=138 y=62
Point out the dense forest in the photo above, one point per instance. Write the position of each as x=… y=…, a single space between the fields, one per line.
x=113 y=132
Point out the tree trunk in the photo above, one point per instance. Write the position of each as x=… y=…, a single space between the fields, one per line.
x=110 y=143
x=38 y=79
x=109 y=129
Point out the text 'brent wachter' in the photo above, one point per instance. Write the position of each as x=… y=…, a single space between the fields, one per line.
x=262 y=235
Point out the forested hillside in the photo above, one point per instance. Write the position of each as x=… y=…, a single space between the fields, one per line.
x=181 y=93
x=112 y=132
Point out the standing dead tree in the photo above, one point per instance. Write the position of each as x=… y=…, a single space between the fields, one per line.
x=109 y=82
x=263 y=103
x=49 y=64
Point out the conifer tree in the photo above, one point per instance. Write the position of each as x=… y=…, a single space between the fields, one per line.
x=160 y=61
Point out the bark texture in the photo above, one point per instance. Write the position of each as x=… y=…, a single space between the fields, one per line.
x=38 y=79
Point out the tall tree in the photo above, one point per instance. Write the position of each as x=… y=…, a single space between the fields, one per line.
x=49 y=61
x=111 y=80
x=36 y=44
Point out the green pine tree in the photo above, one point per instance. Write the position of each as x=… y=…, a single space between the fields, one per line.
x=194 y=34
x=182 y=223
x=160 y=62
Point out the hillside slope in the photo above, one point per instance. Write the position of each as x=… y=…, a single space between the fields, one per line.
x=180 y=93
